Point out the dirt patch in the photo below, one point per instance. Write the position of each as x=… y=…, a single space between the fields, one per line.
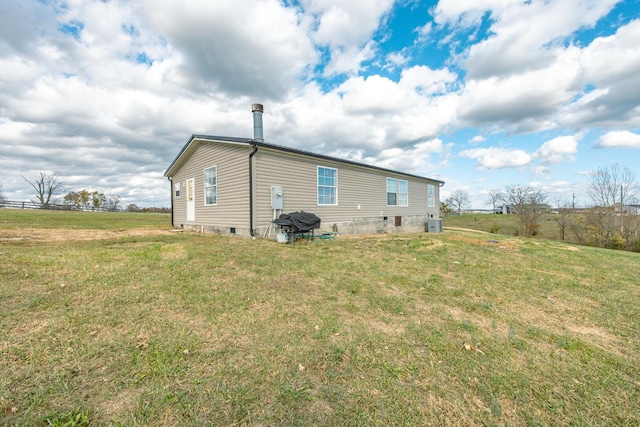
x=553 y=317
x=385 y=328
x=122 y=403
x=466 y=229
x=496 y=242
x=459 y=315
x=53 y=235
x=174 y=252
x=592 y=330
x=433 y=244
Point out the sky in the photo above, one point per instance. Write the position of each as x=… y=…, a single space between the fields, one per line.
x=481 y=94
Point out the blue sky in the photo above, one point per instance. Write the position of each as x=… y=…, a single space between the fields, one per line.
x=480 y=94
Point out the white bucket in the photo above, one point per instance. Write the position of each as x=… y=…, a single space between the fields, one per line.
x=281 y=237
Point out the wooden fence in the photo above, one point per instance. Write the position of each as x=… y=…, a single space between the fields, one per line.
x=52 y=206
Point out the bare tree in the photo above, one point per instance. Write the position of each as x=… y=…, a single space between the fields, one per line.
x=529 y=204
x=612 y=188
x=47 y=186
x=2 y=199
x=459 y=199
x=112 y=203
x=563 y=215
x=495 y=196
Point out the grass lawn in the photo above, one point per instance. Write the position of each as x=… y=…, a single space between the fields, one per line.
x=113 y=319
x=507 y=225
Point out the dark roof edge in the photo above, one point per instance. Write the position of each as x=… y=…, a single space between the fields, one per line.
x=294 y=151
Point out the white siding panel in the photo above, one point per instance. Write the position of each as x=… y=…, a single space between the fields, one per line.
x=179 y=203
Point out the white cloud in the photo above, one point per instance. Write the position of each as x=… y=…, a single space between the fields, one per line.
x=396 y=59
x=374 y=94
x=21 y=24
x=414 y=159
x=529 y=98
x=348 y=61
x=346 y=26
x=608 y=60
x=541 y=170
x=527 y=78
x=373 y=113
x=242 y=47
x=466 y=14
x=477 y=139
x=346 y=22
x=86 y=106
x=619 y=139
x=611 y=65
x=497 y=158
x=558 y=150
x=427 y=81
x=424 y=32
x=515 y=45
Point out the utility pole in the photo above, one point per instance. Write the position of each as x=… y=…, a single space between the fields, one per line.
x=621 y=211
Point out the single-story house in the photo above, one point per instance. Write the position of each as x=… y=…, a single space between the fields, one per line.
x=506 y=209
x=239 y=186
x=513 y=209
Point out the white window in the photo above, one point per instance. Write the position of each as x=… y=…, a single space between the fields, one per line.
x=397 y=192
x=392 y=192
x=431 y=196
x=403 y=192
x=327 y=186
x=176 y=187
x=211 y=186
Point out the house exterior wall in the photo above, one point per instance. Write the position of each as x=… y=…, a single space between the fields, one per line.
x=232 y=207
x=361 y=193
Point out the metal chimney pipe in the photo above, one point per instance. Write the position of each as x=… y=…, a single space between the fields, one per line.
x=257 y=110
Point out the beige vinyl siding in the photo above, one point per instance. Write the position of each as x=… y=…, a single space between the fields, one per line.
x=232 y=208
x=179 y=203
x=357 y=186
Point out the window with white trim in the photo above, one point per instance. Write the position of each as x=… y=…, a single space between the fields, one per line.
x=176 y=187
x=211 y=185
x=327 y=186
x=431 y=196
x=403 y=192
x=397 y=192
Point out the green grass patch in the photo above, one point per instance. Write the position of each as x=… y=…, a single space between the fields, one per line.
x=505 y=225
x=33 y=218
x=425 y=329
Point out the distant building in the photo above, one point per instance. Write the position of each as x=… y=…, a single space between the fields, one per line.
x=505 y=209
x=513 y=209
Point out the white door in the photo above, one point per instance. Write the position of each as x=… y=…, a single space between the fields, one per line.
x=191 y=202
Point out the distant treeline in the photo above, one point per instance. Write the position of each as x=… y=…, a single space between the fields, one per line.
x=134 y=208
